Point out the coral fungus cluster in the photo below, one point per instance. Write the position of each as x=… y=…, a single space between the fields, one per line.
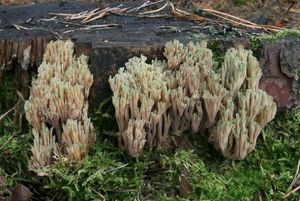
x=188 y=92
x=57 y=106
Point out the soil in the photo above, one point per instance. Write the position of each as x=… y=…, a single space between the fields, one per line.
x=284 y=13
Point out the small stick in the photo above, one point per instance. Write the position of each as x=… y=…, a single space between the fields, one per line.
x=61 y=14
x=292 y=191
x=94 y=18
x=89 y=15
x=19 y=27
x=155 y=11
x=286 y=12
x=240 y=19
x=48 y=19
x=97 y=13
x=117 y=168
x=57 y=35
x=21 y=96
x=61 y=21
x=101 y=14
x=77 y=15
x=259 y=196
x=297 y=175
x=139 y=7
x=120 y=10
x=6 y=113
x=7 y=141
x=183 y=14
x=247 y=25
x=228 y=15
x=144 y=5
x=98 y=26
x=154 y=16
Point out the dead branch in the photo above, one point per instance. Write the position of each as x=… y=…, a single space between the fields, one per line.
x=291 y=192
x=7 y=141
x=6 y=113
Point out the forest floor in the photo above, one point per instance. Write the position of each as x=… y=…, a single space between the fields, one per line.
x=192 y=172
x=285 y=13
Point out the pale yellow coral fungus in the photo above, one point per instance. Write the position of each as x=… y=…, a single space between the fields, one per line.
x=57 y=106
x=187 y=92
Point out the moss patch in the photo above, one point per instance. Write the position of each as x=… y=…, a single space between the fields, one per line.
x=160 y=175
x=256 y=41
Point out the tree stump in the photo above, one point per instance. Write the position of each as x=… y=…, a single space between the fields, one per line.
x=26 y=30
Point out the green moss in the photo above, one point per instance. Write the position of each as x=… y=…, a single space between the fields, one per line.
x=218 y=51
x=16 y=151
x=256 y=41
x=239 y=2
x=7 y=97
x=255 y=46
x=7 y=92
x=109 y=173
x=282 y=34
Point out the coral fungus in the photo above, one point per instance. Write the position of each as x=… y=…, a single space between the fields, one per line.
x=57 y=106
x=189 y=92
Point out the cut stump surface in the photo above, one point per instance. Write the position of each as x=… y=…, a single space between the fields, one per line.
x=24 y=35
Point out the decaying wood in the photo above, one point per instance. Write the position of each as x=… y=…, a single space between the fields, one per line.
x=108 y=49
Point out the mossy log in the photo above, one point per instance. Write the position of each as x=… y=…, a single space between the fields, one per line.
x=22 y=48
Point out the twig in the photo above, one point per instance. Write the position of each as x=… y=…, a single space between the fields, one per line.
x=60 y=21
x=21 y=96
x=90 y=15
x=248 y=25
x=61 y=14
x=7 y=141
x=186 y=15
x=99 y=194
x=48 y=19
x=139 y=7
x=119 y=10
x=57 y=35
x=97 y=26
x=297 y=175
x=292 y=191
x=6 y=113
x=117 y=168
x=176 y=12
x=228 y=15
x=242 y=22
x=155 y=11
x=28 y=20
x=100 y=15
x=125 y=190
x=286 y=12
x=154 y=16
x=19 y=27
x=144 y=5
x=78 y=15
x=259 y=196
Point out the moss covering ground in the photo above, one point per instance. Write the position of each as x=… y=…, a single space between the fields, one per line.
x=194 y=173
x=197 y=173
